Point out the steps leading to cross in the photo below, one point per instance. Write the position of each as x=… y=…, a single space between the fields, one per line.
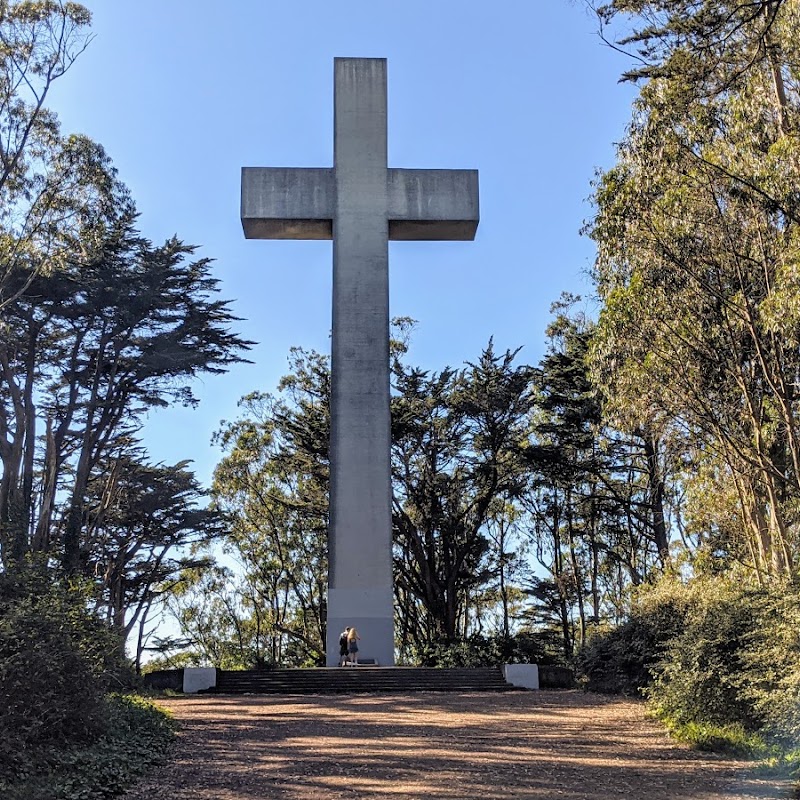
x=360 y=679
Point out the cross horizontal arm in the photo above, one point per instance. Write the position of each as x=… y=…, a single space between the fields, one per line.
x=288 y=202
x=299 y=203
x=433 y=204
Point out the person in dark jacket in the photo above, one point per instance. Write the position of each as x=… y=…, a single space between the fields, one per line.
x=343 y=647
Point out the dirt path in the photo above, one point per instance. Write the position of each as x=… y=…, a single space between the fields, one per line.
x=564 y=745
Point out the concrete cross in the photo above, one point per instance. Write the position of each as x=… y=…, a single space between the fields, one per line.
x=360 y=203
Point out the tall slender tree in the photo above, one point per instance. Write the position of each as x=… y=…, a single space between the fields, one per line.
x=42 y=185
x=697 y=239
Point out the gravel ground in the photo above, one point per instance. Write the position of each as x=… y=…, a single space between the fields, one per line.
x=562 y=744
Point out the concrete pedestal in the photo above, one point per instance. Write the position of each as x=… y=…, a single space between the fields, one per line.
x=371 y=612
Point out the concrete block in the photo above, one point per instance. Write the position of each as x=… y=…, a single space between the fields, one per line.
x=287 y=202
x=196 y=679
x=524 y=675
x=433 y=204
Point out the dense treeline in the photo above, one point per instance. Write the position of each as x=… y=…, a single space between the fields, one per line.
x=697 y=346
x=521 y=520
x=98 y=325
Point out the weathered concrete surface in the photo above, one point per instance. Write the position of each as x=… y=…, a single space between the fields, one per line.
x=195 y=679
x=524 y=675
x=287 y=203
x=360 y=556
x=433 y=204
x=361 y=204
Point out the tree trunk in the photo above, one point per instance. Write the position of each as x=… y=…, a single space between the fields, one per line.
x=655 y=497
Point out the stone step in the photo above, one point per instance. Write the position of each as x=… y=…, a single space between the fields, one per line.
x=359 y=680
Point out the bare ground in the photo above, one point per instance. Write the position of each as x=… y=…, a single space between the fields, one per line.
x=565 y=745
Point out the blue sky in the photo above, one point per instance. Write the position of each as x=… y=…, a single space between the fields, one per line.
x=183 y=93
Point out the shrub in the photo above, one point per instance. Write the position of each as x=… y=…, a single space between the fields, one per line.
x=771 y=661
x=701 y=676
x=622 y=660
x=719 y=660
x=477 y=651
x=486 y=651
x=56 y=662
x=138 y=736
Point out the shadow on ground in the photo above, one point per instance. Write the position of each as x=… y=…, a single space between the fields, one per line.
x=562 y=744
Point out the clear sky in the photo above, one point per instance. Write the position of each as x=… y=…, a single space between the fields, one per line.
x=183 y=93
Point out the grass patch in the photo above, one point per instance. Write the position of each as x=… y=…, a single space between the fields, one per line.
x=138 y=736
x=732 y=740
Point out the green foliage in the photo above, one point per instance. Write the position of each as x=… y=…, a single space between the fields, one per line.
x=484 y=651
x=705 y=675
x=731 y=739
x=697 y=252
x=457 y=451
x=56 y=662
x=622 y=660
x=718 y=660
x=138 y=736
x=477 y=651
x=61 y=737
x=777 y=660
x=273 y=485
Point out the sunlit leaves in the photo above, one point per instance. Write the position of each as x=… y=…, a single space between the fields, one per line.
x=697 y=249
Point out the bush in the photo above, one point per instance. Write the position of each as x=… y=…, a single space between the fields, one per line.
x=485 y=651
x=623 y=660
x=718 y=660
x=706 y=675
x=56 y=662
x=477 y=651
x=138 y=736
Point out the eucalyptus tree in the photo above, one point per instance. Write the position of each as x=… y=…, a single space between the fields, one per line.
x=224 y=621
x=42 y=185
x=272 y=484
x=697 y=234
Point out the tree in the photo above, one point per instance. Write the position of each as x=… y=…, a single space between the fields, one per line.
x=40 y=187
x=33 y=323
x=564 y=462
x=121 y=329
x=697 y=239
x=225 y=622
x=456 y=452
x=273 y=485
x=710 y=48
x=457 y=449
x=143 y=529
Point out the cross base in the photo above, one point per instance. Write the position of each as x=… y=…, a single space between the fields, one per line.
x=372 y=614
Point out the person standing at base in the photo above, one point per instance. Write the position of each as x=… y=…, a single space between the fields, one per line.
x=352 y=645
x=343 y=647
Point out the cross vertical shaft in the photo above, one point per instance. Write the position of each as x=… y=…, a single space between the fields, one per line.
x=360 y=540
